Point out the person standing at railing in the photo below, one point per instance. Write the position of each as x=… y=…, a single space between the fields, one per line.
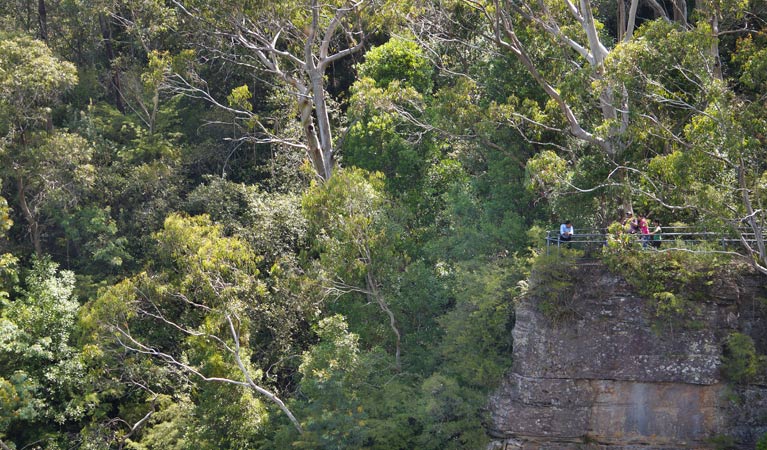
x=630 y=223
x=645 y=230
x=566 y=232
x=656 y=234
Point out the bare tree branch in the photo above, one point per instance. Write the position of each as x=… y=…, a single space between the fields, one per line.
x=136 y=426
x=514 y=45
x=246 y=373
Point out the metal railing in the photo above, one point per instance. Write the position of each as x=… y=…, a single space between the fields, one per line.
x=688 y=235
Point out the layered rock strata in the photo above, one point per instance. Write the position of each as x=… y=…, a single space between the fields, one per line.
x=612 y=375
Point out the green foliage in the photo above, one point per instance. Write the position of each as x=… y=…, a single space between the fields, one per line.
x=346 y=214
x=17 y=400
x=453 y=419
x=172 y=223
x=740 y=361
x=173 y=426
x=380 y=139
x=203 y=296
x=347 y=218
x=31 y=78
x=551 y=283
x=197 y=250
x=272 y=223
x=465 y=345
x=476 y=347
x=52 y=173
x=395 y=82
x=761 y=443
x=675 y=279
x=546 y=173
x=650 y=62
x=240 y=98
x=751 y=56
x=478 y=211
x=336 y=354
x=618 y=239
x=330 y=370
x=5 y=219
x=401 y=60
x=93 y=234
x=475 y=352
x=41 y=370
x=723 y=442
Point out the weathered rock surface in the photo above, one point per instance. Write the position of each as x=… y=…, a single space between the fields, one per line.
x=614 y=376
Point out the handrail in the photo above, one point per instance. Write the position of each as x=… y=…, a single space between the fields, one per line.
x=684 y=234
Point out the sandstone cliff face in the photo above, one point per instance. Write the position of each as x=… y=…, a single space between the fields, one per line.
x=612 y=376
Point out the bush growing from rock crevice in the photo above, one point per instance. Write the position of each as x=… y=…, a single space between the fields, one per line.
x=740 y=361
x=552 y=284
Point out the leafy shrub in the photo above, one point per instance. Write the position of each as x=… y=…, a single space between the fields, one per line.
x=552 y=283
x=740 y=361
x=617 y=239
x=675 y=279
x=761 y=444
x=723 y=442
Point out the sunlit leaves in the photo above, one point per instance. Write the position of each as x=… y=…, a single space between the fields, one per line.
x=740 y=360
x=58 y=169
x=240 y=98
x=216 y=269
x=148 y=21
x=387 y=103
x=346 y=214
x=751 y=56
x=401 y=60
x=547 y=173
x=30 y=72
x=157 y=69
x=663 y=65
x=336 y=353
x=31 y=77
x=17 y=400
x=5 y=219
x=38 y=359
x=355 y=196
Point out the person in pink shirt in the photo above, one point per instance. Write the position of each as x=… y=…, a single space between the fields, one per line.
x=645 y=230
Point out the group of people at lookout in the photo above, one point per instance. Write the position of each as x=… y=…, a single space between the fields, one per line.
x=632 y=225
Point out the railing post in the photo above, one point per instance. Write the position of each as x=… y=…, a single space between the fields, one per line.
x=548 y=241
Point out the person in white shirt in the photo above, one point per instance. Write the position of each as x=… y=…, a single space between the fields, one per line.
x=566 y=232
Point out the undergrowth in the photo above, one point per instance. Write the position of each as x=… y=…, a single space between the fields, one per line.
x=552 y=283
x=740 y=360
x=676 y=280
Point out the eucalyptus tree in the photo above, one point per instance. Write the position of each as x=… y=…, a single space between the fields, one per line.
x=205 y=312
x=638 y=99
x=574 y=29
x=594 y=112
x=32 y=80
x=291 y=45
x=355 y=251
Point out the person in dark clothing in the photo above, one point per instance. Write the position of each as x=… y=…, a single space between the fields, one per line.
x=631 y=224
x=655 y=234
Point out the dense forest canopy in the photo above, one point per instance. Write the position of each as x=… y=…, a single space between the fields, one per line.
x=298 y=224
